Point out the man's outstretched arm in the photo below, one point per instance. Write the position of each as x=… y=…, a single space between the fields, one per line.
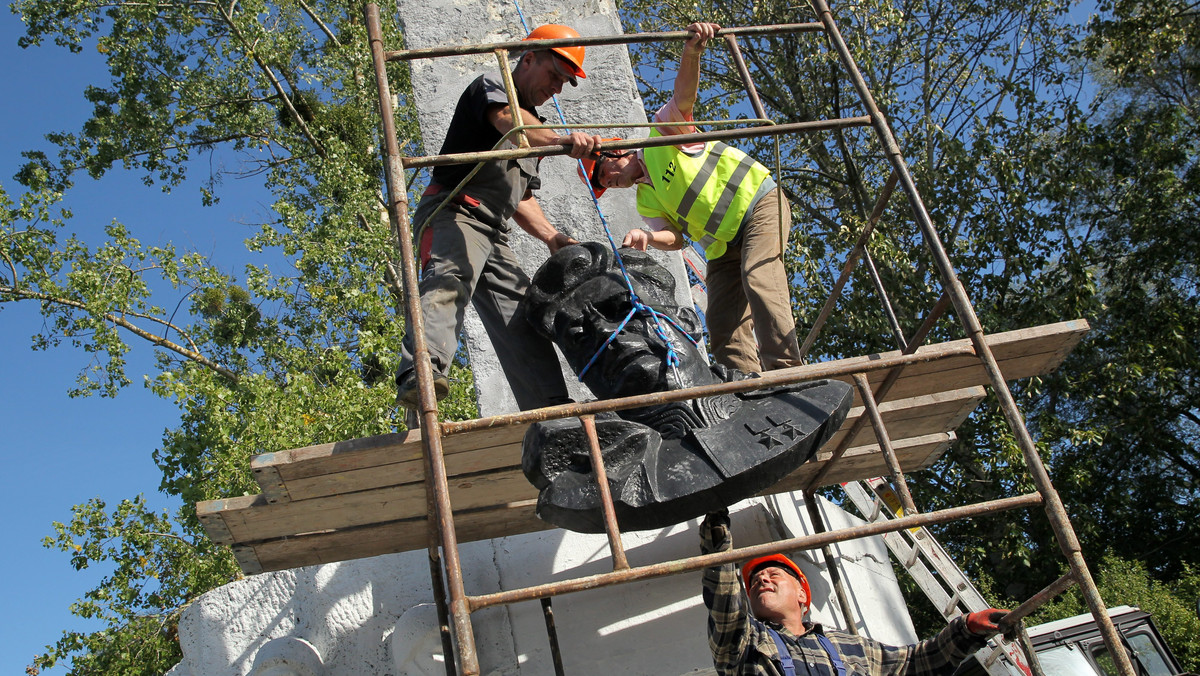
x=532 y=219
x=687 y=80
x=728 y=621
x=582 y=145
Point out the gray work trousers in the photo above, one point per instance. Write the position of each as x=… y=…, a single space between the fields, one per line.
x=470 y=261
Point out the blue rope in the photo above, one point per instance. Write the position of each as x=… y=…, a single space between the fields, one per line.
x=672 y=357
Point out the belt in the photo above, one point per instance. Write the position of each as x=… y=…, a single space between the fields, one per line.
x=460 y=198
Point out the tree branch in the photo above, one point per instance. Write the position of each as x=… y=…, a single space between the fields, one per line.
x=172 y=536
x=129 y=326
x=313 y=15
x=11 y=266
x=392 y=275
x=270 y=75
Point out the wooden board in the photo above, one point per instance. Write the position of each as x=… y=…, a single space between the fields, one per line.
x=357 y=459
x=915 y=417
x=375 y=539
x=327 y=470
x=863 y=462
x=362 y=464
x=250 y=518
x=1020 y=354
x=382 y=538
x=396 y=492
x=252 y=521
x=363 y=497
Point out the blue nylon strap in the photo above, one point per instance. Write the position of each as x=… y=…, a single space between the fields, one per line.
x=672 y=357
x=833 y=654
x=610 y=339
x=785 y=655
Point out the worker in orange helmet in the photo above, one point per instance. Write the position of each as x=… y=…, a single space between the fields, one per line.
x=570 y=59
x=464 y=251
x=730 y=206
x=775 y=639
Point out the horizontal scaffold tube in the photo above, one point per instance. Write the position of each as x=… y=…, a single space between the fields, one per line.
x=630 y=144
x=704 y=561
x=777 y=378
x=591 y=40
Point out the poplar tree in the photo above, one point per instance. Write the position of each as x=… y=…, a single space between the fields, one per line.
x=297 y=348
x=1058 y=163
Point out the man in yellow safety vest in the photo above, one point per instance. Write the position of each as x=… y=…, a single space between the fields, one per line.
x=729 y=204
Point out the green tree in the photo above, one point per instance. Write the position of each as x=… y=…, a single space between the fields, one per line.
x=1056 y=198
x=1125 y=582
x=299 y=347
x=970 y=90
x=1130 y=392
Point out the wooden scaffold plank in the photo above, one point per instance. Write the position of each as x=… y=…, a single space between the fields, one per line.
x=364 y=497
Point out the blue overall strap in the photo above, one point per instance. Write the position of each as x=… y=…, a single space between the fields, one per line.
x=833 y=654
x=785 y=655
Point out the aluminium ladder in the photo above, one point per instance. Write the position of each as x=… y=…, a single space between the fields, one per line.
x=941 y=580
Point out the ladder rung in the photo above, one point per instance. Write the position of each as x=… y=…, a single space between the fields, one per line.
x=993 y=656
x=950 y=607
x=876 y=509
x=913 y=554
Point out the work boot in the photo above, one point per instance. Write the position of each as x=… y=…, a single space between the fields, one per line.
x=408 y=395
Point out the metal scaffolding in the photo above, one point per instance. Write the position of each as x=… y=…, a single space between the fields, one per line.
x=455 y=606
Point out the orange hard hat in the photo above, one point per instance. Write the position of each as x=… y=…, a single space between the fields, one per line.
x=781 y=561
x=587 y=172
x=572 y=55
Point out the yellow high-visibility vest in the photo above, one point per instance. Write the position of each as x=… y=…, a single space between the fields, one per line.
x=709 y=191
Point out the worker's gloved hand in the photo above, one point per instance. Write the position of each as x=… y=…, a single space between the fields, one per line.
x=985 y=622
x=714 y=533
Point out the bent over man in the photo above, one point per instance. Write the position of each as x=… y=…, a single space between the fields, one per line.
x=729 y=204
x=773 y=638
x=464 y=250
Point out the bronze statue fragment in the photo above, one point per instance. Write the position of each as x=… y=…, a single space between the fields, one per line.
x=670 y=462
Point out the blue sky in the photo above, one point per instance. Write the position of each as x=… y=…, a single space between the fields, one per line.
x=57 y=451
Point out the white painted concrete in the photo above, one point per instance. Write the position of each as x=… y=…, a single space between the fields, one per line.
x=375 y=616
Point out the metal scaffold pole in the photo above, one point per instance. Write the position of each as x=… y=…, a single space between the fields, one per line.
x=455 y=606
x=441 y=529
x=1054 y=507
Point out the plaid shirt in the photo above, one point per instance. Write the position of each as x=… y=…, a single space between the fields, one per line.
x=741 y=645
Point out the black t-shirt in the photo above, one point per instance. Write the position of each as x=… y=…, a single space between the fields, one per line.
x=500 y=184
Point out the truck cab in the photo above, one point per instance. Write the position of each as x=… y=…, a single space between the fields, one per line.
x=1073 y=646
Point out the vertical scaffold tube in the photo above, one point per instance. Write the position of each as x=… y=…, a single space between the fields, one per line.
x=885 y=443
x=436 y=484
x=611 y=528
x=1055 y=510
x=835 y=574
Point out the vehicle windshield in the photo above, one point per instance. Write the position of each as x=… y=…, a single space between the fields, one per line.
x=1066 y=660
x=1144 y=651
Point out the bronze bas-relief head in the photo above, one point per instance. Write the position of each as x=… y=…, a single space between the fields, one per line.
x=578 y=299
x=668 y=462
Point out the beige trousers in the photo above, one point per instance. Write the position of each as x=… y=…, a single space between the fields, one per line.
x=749 y=296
